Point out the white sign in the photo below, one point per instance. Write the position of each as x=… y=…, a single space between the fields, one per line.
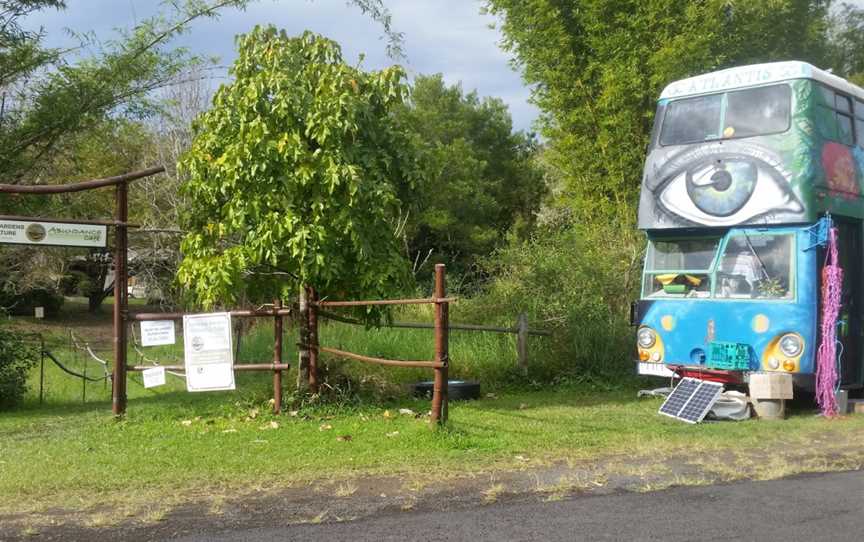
x=52 y=233
x=208 y=353
x=40 y=312
x=157 y=333
x=655 y=369
x=154 y=377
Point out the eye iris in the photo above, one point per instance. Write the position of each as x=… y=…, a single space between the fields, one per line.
x=722 y=190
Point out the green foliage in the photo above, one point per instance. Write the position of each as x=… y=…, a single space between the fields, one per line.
x=597 y=67
x=294 y=175
x=17 y=357
x=481 y=178
x=578 y=282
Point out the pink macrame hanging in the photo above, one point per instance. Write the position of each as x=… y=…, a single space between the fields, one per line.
x=826 y=360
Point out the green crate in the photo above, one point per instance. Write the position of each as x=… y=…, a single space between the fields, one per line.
x=728 y=356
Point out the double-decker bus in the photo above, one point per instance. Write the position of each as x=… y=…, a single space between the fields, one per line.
x=743 y=167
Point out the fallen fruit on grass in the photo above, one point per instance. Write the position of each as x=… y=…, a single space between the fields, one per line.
x=325 y=427
x=344 y=438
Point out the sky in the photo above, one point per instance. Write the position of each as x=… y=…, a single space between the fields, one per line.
x=450 y=37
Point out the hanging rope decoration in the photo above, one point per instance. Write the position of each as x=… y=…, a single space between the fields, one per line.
x=826 y=361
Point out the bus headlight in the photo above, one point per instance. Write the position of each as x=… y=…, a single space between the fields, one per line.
x=646 y=337
x=791 y=344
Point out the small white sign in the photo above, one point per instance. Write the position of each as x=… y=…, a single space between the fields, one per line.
x=40 y=312
x=157 y=333
x=207 y=351
x=21 y=232
x=655 y=369
x=154 y=377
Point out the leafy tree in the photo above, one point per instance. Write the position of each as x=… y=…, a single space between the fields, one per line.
x=17 y=357
x=481 y=178
x=294 y=175
x=597 y=67
x=67 y=115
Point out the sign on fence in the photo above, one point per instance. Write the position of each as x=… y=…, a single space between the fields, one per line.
x=157 y=332
x=52 y=233
x=208 y=353
x=154 y=377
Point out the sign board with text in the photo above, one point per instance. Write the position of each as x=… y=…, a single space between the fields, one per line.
x=157 y=333
x=208 y=353
x=20 y=232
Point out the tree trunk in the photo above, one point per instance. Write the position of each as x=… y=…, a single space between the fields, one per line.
x=303 y=348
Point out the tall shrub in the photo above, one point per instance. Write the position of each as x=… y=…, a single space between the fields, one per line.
x=16 y=359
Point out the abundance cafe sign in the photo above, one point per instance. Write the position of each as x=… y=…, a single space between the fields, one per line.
x=21 y=232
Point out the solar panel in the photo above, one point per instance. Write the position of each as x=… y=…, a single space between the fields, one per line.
x=691 y=400
x=679 y=397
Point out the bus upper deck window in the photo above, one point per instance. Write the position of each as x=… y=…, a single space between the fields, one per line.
x=740 y=113
x=755 y=111
x=692 y=120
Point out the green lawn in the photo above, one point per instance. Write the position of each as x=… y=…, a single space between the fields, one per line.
x=173 y=444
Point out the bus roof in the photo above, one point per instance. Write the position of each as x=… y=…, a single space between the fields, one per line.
x=757 y=74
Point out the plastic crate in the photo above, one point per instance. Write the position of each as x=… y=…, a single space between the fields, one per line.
x=728 y=356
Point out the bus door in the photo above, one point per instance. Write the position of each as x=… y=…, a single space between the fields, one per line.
x=850 y=332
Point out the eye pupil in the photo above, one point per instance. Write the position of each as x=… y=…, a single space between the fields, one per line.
x=722 y=190
x=721 y=180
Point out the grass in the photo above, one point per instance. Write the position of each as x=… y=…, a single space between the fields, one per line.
x=175 y=443
x=173 y=446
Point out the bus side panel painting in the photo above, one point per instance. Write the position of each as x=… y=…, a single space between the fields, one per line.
x=777 y=154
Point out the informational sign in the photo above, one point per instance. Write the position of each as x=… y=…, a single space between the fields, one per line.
x=154 y=377
x=208 y=353
x=157 y=333
x=21 y=232
x=40 y=312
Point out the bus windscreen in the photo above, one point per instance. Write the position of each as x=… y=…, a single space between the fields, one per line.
x=742 y=113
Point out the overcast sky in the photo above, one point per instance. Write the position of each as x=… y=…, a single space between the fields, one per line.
x=446 y=36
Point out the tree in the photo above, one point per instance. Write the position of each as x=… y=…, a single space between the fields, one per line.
x=294 y=174
x=597 y=67
x=54 y=101
x=481 y=179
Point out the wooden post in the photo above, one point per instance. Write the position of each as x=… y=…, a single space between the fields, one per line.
x=277 y=356
x=41 y=368
x=440 y=387
x=303 y=347
x=312 y=298
x=121 y=214
x=522 y=342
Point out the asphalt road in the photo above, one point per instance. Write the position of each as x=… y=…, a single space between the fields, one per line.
x=818 y=507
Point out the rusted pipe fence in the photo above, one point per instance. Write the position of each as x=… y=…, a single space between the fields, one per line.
x=521 y=330
x=440 y=364
x=277 y=366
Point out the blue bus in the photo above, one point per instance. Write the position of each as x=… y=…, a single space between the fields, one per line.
x=743 y=167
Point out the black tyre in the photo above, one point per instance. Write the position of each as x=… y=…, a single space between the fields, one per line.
x=457 y=389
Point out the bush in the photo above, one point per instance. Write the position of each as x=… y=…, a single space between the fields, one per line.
x=577 y=281
x=16 y=359
x=25 y=304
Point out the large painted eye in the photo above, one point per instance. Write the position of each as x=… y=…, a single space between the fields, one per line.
x=722 y=188
x=725 y=184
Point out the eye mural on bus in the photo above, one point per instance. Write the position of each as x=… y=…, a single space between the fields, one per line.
x=765 y=155
x=722 y=184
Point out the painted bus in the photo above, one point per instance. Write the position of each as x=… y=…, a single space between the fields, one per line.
x=744 y=168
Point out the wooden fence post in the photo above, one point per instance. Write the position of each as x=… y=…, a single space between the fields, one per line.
x=277 y=356
x=442 y=356
x=121 y=215
x=522 y=342
x=303 y=347
x=312 y=299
